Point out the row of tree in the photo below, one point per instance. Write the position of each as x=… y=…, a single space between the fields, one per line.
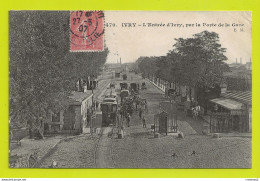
x=196 y=62
x=42 y=69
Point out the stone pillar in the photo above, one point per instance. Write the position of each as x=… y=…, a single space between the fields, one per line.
x=61 y=119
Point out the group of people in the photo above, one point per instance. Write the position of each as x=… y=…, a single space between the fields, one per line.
x=141 y=107
x=194 y=107
x=195 y=111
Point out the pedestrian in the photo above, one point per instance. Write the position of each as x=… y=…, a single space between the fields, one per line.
x=140 y=112
x=197 y=110
x=145 y=106
x=144 y=124
x=128 y=119
x=137 y=102
x=132 y=92
x=121 y=111
x=97 y=104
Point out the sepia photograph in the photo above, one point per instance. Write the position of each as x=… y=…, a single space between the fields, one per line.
x=130 y=89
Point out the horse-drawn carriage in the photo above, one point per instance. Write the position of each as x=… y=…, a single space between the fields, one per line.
x=143 y=104
x=134 y=87
x=112 y=85
x=143 y=86
x=123 y=85
x=123 y=94
x=127 y=106
x=124 y=77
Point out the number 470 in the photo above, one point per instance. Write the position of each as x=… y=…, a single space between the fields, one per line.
x=83 y=27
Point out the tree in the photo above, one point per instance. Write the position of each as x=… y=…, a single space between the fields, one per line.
x=42 y=69
x=202 y=59
x=147 y=66
x=197 y=62
x=201 y=62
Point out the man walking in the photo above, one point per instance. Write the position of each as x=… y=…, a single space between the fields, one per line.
x=128 y=119
x=140 y=113
x=144 y=124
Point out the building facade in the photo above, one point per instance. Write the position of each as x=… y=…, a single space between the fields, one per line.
x=73 y=119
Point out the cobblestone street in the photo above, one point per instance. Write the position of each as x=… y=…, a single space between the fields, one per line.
x=78 y=152
x=139 y=148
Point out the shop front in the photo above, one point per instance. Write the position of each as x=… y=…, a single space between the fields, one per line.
x=227 y=116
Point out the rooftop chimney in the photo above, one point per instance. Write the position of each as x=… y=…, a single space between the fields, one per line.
x=223 y=88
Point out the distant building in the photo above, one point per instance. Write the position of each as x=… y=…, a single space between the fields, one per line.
x=249 y=65
x=118 y=72
x=113 y=67
x=232 y=110
x=239 y=78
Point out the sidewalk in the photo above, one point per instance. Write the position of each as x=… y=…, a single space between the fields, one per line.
x=184 y=122
x=163 y=90
x=196 y=126
x=42 y=147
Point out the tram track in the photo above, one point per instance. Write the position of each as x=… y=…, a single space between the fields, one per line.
x=97 y=146
x=102 y=153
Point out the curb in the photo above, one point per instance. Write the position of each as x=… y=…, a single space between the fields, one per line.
x=49 y=152
x=232 y=136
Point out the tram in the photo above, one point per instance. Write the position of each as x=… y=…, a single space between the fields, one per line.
x=109 y=110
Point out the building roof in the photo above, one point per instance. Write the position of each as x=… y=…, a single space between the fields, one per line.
x=118 y=70
x=238 y=70
x=76 y=98
x=228 y=103
x=240 y=96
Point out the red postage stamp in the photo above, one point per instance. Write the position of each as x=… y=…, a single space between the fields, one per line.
x=86 y=31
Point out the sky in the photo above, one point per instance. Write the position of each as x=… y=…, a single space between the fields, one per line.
x=129 y=43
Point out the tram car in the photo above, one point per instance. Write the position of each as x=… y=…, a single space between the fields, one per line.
x=109 y=110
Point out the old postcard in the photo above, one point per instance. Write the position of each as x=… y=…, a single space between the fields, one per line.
x=130 y=89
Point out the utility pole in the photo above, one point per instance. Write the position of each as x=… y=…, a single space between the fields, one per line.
x=92 y=109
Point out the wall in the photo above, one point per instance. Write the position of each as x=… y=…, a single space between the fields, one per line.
x=250 y=119
x=78 y=117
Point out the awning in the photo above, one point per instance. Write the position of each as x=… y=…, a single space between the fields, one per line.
x=228 y=103
x=244 y=97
